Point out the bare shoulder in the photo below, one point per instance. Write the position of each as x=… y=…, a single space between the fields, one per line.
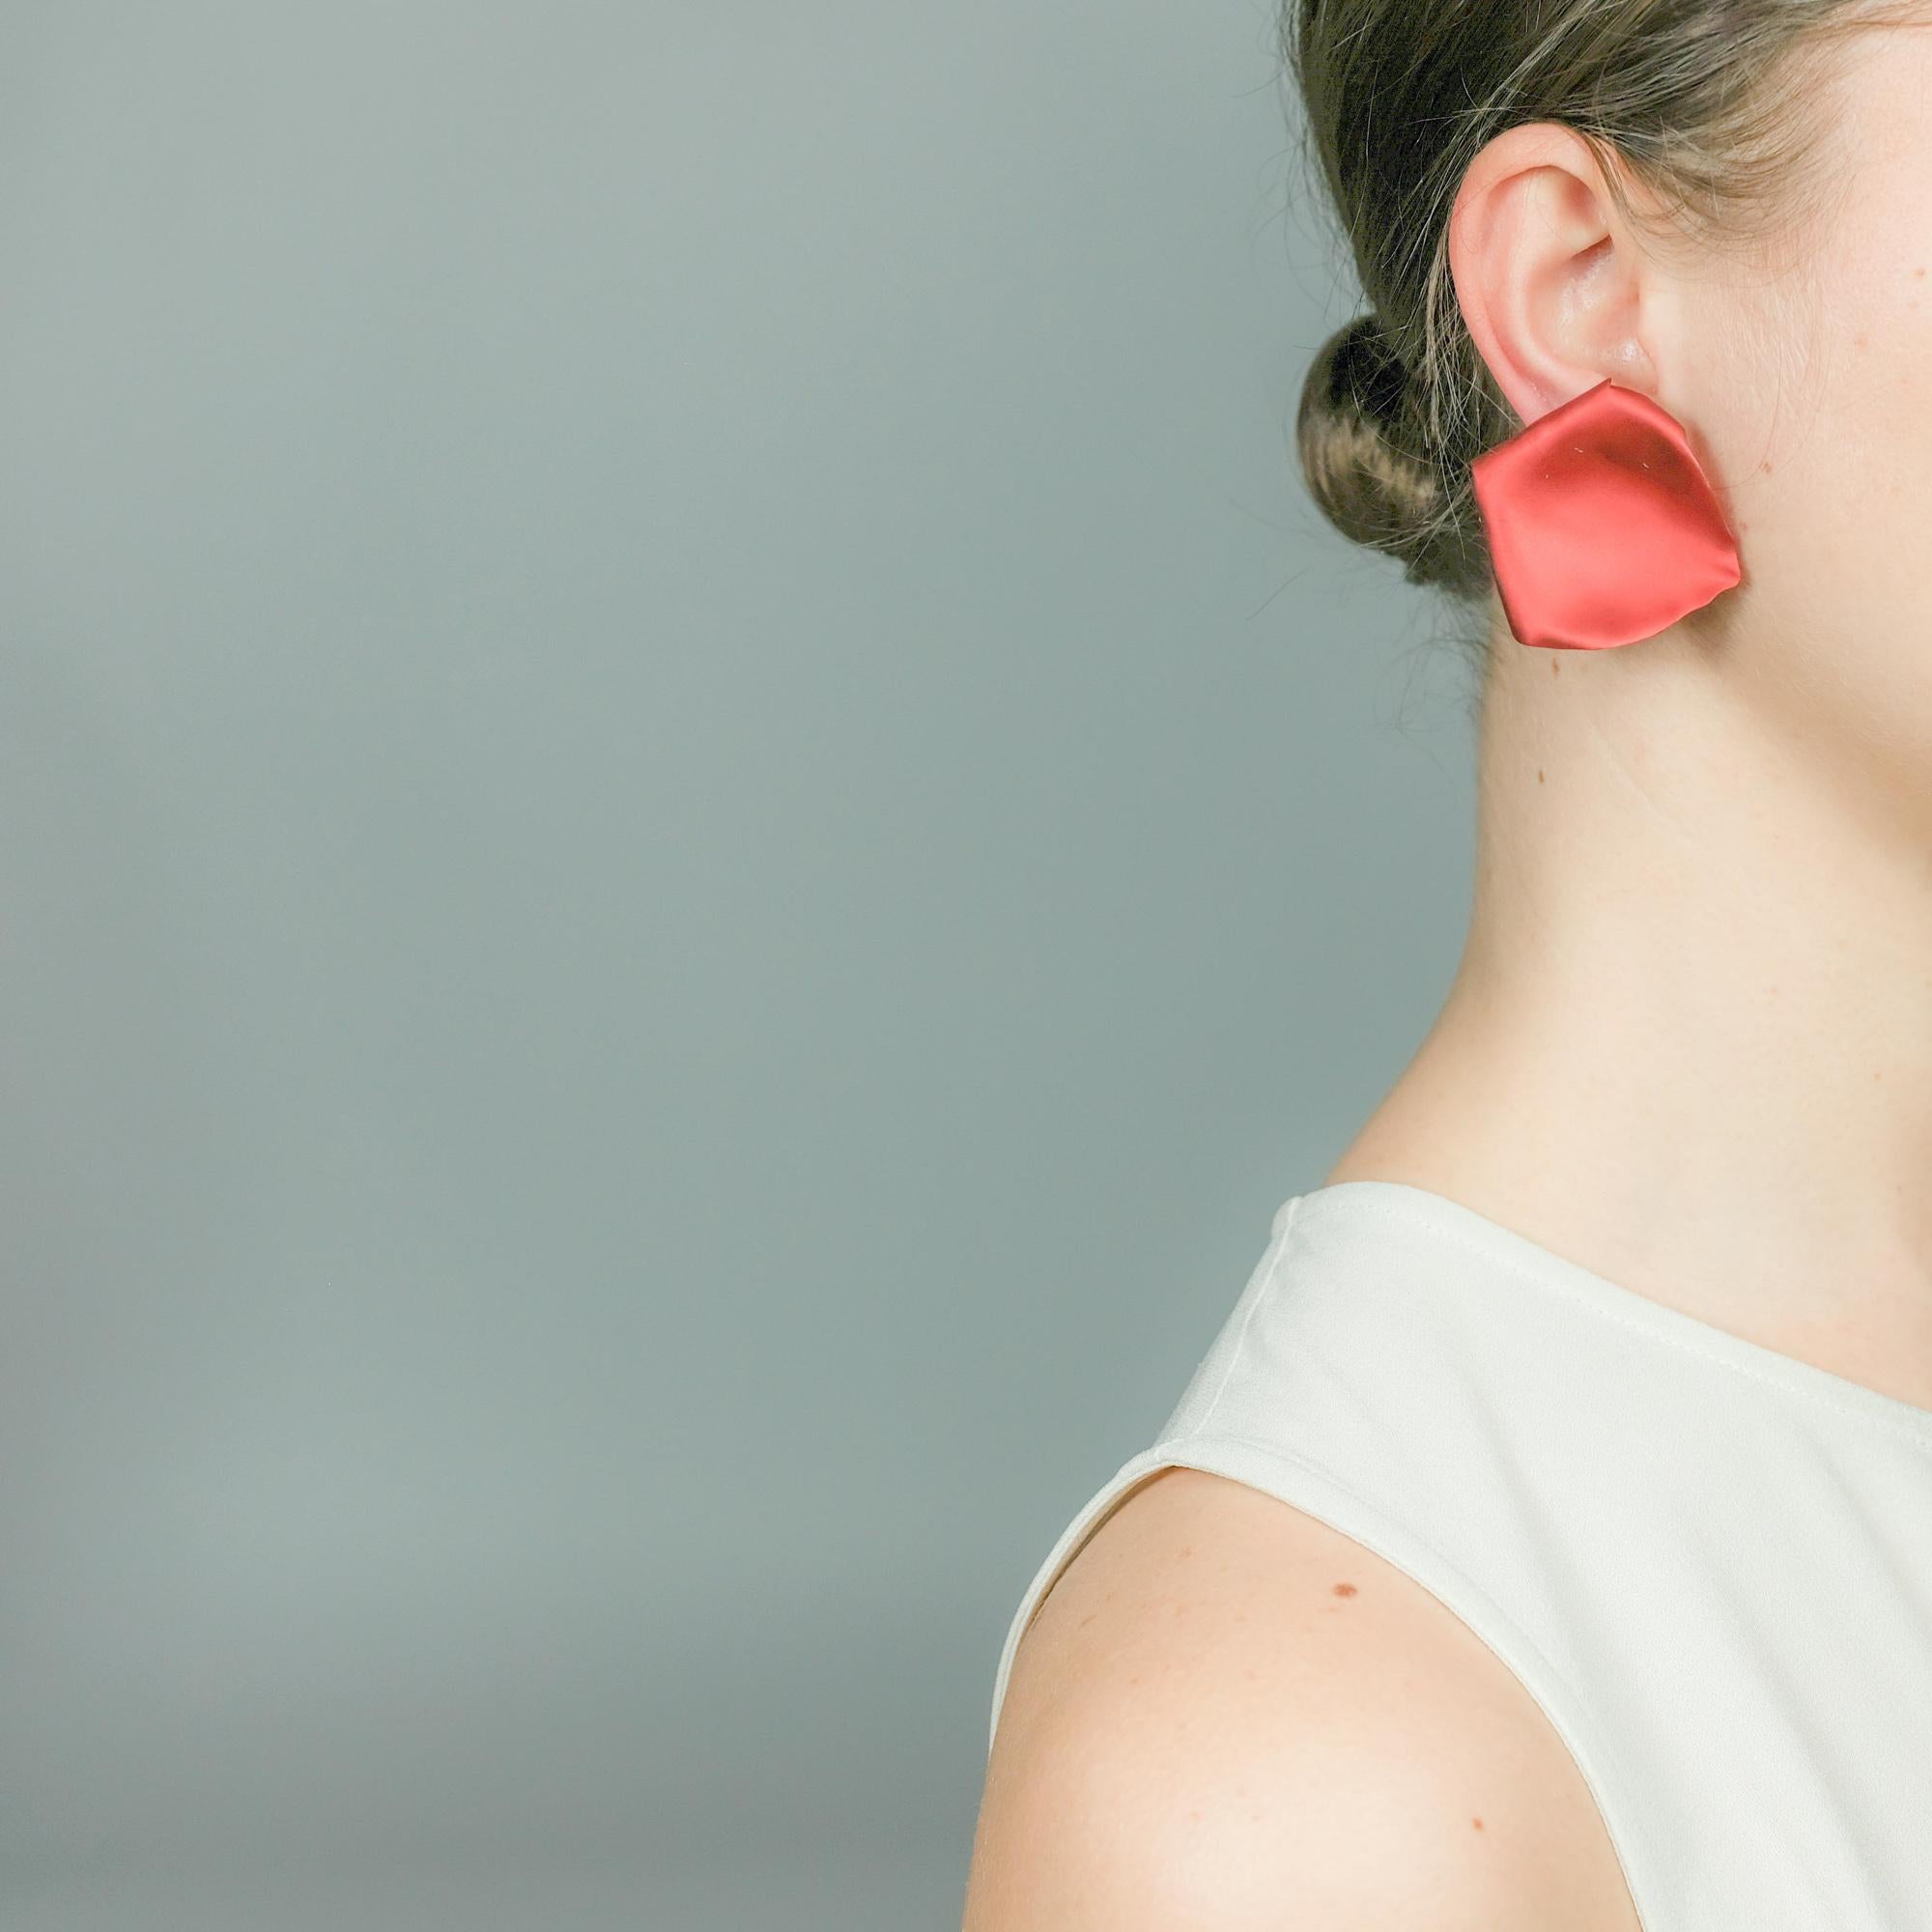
x=1228 y=1715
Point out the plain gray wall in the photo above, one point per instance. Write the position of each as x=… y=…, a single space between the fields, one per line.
x=696 y=825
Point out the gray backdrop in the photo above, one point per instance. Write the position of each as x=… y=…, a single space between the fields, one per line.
x=694 y=827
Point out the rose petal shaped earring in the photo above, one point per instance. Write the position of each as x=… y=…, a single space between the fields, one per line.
x=1602 y=527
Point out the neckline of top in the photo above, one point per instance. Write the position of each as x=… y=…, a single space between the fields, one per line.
x=1440 y=1215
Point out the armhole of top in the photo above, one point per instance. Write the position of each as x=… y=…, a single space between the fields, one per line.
x=1277 y=1473
x=1196 y=1406
x=1131 y=1475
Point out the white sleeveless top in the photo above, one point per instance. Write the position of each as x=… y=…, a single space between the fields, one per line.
x=1710 y=1563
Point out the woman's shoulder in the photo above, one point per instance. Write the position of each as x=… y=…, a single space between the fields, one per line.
x=1227 y=1715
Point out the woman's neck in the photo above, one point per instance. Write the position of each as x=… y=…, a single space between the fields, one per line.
x=1688 y=1044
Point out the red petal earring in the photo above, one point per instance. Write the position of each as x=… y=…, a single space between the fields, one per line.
x=1602 y=527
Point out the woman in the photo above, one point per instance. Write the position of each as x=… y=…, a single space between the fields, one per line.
x=1545 y=1541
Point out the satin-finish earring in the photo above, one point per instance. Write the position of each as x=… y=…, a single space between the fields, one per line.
x=1602 y=527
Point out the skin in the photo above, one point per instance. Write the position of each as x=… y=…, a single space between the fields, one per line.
x=1689 y=1045
x=1688 y=1042
x=1229 y=1718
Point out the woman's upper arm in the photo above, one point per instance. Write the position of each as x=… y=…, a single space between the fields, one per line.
x=1229 y=1718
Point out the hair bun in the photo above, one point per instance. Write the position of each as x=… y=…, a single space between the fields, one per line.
x=1362 y=450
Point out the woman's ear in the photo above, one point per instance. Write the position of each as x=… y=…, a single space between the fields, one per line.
x=1550 y=278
